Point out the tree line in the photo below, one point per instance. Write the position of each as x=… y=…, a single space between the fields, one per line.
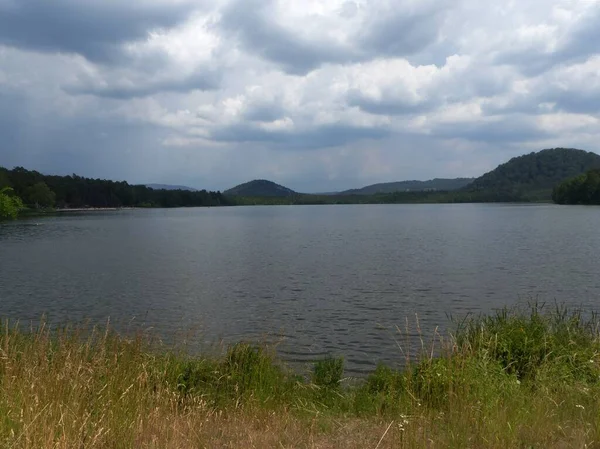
x=431 y=197
x=20 y=187
x=40 y=191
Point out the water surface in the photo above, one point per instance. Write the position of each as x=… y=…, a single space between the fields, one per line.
x=324 y=279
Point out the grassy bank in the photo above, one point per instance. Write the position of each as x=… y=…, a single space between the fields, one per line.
x=519 y=378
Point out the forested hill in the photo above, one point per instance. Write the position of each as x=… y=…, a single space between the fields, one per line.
x=436 y=184
x=39 y=190
x=536 y=174
x=527 y=178
x=260 y=188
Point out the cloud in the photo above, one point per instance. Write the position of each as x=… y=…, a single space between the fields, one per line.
x=573 y=88
x=541 y=47
x=251 y=23
x=94 y=28
x=317 y=94
x=397 y=87
x=503 y=130
x=133 y=88
x=285 y=135
x=393 y=87
x=402 y=28
x=364 y=31
x=13 y=129
x=265 y=113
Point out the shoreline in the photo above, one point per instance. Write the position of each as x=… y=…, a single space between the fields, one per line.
x=94 y=209
x=516 y=378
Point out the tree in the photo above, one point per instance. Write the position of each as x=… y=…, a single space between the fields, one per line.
x=4 y=178
x=40 y=195
x=10 y=205
x=582 y=189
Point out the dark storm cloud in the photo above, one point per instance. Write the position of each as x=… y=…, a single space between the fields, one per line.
x=400 y=33
x=249 y=21
x=197 y=81
x=93 y=147
x=315 y=137
x=93 y=28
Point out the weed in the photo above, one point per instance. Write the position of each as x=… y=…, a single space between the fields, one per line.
x=328 y=373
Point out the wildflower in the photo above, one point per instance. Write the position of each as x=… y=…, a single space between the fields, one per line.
x=403 y=422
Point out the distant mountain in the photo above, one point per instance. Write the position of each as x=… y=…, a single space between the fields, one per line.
x=260 y=188
x=436 y=184
x=534 y=175
x=170 y=187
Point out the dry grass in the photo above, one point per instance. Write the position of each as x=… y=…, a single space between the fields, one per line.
x=78 y=389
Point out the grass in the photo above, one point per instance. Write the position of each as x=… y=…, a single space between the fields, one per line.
x=522 y=378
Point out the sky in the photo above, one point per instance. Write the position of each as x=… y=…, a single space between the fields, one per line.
x=318 y=95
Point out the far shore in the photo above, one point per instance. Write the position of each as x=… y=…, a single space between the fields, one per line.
x=93 y=209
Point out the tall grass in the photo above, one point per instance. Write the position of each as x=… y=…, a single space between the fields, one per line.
x=526 y=377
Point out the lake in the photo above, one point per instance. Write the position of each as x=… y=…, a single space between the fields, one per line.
x=317 y=279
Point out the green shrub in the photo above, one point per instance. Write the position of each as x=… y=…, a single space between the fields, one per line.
x=251 y=368
x=195 y=376
x=245 y=372
x=328 y=373
x=441 y=381
x=433 y=380
x=384 y=380
x=383 y=393
x=527 y=341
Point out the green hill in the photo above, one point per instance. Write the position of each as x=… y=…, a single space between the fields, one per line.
x=437 y=184
x=533 y=176
x=260 y=188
